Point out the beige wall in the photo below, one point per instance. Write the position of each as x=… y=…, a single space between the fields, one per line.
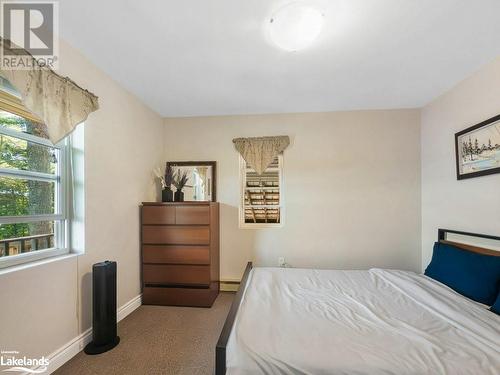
x=123 y=144
x=38 y=313
x=352 y=187
x=46 y=306
x=472 y=204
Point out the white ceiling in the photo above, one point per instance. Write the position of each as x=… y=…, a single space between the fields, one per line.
x=212 y=57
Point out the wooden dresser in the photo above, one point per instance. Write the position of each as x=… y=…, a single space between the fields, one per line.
x=180 y=253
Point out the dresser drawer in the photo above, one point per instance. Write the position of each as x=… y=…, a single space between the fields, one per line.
x=176 y=254
x=192 y=215
x=171 y=235
x=158 y=215
x=173 y=296
x=176 y=274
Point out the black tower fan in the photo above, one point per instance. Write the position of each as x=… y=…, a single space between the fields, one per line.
x=104 y=335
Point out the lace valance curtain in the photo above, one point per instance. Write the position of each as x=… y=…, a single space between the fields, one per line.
x=260 y=152
x=58 y=101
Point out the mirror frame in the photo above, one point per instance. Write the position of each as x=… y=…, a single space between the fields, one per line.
x=212 y=164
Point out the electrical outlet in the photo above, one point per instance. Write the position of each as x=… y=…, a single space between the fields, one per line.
x=281 y=261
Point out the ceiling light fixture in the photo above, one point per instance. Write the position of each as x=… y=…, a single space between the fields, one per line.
x=295 y=26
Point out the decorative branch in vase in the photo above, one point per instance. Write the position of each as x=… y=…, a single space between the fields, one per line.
x=166 y=180
x=167 y=195
x=179 y=182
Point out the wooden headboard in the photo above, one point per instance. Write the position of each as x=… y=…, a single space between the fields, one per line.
x=475 y=249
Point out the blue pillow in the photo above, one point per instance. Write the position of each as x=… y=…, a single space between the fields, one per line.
x=476 y=276
x=496 y=306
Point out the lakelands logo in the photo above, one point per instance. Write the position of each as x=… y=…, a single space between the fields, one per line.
x=15 y=363
x=30 y=26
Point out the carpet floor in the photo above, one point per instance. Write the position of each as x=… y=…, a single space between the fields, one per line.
x=160 y=340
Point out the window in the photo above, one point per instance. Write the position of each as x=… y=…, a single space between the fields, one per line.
x=33 y=217
x=261 y=196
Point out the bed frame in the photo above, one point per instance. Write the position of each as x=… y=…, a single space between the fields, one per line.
x=475 y=249
x=220 y=350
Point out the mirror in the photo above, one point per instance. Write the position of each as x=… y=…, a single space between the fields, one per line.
x=200 y=186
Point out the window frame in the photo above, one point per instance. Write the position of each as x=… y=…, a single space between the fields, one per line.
x=241 y=206
x=61 y=199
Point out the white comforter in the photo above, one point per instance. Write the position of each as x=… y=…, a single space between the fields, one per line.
x=297 y=321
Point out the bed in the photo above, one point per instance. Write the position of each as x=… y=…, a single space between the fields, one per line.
x=307 y=321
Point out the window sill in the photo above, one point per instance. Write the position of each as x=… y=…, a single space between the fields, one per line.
x=36 y=263
x=260 y=226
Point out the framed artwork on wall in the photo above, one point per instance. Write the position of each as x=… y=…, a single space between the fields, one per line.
x=478 y=149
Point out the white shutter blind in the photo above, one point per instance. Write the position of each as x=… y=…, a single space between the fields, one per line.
x=262 y=194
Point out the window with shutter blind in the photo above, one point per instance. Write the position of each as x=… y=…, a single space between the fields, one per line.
x=261 y=195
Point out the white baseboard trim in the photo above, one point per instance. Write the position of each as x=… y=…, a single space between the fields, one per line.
x=129 y=307
x=68 y=351
x=75 y=346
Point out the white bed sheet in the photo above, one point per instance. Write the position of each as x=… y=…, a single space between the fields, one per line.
x=299 y=321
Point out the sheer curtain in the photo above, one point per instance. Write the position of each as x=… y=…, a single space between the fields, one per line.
x=259 y=152
x=57 y=101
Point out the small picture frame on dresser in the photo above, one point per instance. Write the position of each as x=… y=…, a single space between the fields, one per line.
x=201 y=179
